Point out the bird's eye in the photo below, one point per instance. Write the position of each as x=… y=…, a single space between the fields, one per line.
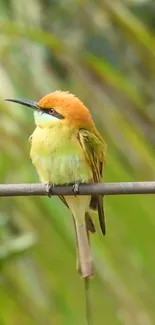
x=51 y=111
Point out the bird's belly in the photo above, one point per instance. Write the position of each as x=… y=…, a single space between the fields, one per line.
x=64 y=165
x=62 y=170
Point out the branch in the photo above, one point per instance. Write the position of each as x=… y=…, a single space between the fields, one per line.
x=84 y=189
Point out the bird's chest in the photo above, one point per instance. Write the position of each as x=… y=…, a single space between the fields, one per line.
x=58 y=157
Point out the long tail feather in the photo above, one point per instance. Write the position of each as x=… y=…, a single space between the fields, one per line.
x=78 y=206
x=84 y=259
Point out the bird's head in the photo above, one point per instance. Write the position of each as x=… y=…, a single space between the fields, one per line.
x=58 y=107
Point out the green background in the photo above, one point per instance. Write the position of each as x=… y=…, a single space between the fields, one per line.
x=104 y=52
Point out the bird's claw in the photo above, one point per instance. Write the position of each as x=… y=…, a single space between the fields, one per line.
x=49 y=187
x=76 y=188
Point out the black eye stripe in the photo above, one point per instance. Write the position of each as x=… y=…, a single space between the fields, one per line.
x=58 y=115
x=53 y=113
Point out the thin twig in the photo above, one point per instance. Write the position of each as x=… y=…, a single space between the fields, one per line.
x=87 y=301
x=84 y=189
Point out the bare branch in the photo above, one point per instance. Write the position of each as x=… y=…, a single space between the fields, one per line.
x=84 y=189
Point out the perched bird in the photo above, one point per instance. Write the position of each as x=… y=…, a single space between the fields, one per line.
x=66 y=148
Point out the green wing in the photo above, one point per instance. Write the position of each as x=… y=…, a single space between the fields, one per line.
x=95 y=149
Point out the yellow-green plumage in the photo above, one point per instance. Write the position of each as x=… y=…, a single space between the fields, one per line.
x=67 y=148
x=63 y=155
x=58 y=156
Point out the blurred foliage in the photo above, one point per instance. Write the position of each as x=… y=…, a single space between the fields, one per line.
x=104 y=52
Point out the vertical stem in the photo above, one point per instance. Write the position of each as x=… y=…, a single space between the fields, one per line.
x=87 y=301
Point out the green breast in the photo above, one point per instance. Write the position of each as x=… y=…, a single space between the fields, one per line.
x=58 y=157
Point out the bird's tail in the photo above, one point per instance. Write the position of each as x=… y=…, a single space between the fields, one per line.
x=78 y=206
x=84 y=258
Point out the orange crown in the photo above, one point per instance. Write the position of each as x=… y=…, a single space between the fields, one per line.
x=69 y=106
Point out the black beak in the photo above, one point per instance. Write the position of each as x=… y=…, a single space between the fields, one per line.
x=24 y=102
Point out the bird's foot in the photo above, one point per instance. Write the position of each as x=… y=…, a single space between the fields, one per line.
x=49 y=187
x=76 y=188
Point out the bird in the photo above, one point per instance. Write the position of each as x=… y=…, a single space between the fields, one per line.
x=67 y=148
